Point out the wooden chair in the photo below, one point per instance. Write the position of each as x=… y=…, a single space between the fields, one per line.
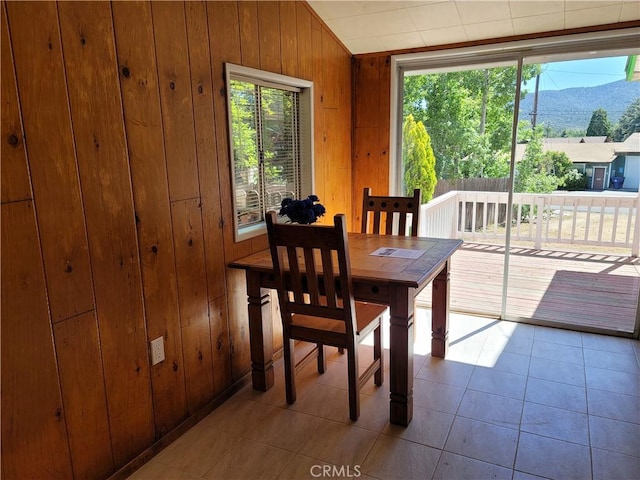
x=319 y=307
x=378 y=213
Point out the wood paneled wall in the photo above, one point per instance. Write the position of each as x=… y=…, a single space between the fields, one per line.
x=116 y=214
x=371 y=123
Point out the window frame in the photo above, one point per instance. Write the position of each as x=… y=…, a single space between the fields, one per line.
x=305 y=146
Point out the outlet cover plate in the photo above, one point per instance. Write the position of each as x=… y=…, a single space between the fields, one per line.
x=157 y=350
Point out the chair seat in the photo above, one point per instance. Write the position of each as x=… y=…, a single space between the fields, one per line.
x=368 y=317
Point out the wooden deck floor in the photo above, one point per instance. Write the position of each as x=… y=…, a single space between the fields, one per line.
x=582 y=291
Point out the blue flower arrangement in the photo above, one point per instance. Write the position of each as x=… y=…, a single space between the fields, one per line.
x=303 y=211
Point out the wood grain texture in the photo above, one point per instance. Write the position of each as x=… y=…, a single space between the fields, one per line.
x=145 y=140
x=330 y=55
x=224 y=37
x=206 y=148
x=219 y=326
x=16 y=184
x=34 y=434
x=37 y=49
x=249 y=33
x=174 y=79
x=190 y=262
x=371 y=114
x=305 y=57
x=77 y=346
x=289 y=37
x=126 y=141
x=90 y=62
x=269 y=36
x=198 y=364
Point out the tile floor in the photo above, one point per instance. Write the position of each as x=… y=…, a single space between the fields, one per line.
x=511 y=401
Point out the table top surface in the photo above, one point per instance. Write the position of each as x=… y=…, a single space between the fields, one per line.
x=411 y=272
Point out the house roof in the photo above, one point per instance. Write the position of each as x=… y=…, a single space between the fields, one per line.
x=587 y=149
x=630 y=145
x=577 y=152
x=554 y=140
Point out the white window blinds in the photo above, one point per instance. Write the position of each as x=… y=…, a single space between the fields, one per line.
x=270 y=155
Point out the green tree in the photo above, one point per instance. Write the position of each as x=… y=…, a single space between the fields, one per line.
x=418 y=159
x=533 y=172
x=599 y=125
x=468 y=115
x=629 y=122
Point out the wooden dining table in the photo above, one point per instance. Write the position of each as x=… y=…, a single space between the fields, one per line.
x=384 y=279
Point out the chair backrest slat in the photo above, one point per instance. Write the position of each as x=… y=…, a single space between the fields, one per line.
x=320 y=287
x=379 y=210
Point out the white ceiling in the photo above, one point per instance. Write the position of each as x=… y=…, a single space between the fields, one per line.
x=367 y=26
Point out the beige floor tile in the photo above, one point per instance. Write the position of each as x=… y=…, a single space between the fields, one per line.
x=615 y=436
x=395 y=458
x=490 y=408
x=609 y=466
x=250 y=460
x=374 y=413
x=525 y=476
x=555 y=423
x=428 y=427
x=467 y=352
x=551 y=458
x=520 y=345
x=555 y=394
x=447 y=371
x=285 y=429
x=304 y=468
x=613 y=405
x=557 y=371
x=321 y=401
x=608 y=343
x=198 y=450
x=339 y=444
x=509 y=396
x=496 y=358
x=483 y=441
x=557 y=352
x=452 y=466
x=158 y=471
x=237 y=417
x=437 y=396
x=556 y=335
x=500 y=383
x=611 y=381
x=620 y=362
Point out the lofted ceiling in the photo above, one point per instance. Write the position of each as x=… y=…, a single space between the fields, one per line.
x=367 y=26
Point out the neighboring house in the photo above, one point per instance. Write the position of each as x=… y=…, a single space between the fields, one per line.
x=600 y=159
x=627 y=162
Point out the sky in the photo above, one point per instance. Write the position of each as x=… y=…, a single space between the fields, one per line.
x=582 y=73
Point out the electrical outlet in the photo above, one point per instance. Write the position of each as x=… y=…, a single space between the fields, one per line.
x=157 y=350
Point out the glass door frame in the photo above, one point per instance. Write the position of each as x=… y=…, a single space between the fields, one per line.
x=540 y=50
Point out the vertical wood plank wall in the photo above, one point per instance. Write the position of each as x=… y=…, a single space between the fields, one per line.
x=371 y=123
x=116 y=214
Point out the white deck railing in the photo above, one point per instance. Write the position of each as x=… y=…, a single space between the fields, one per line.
x=579 y=219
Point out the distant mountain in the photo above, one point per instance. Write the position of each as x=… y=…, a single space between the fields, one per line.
x=572 y=108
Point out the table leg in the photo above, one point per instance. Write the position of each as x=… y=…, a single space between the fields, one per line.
x=401 y=355
x=260 y=333
x=440 y=313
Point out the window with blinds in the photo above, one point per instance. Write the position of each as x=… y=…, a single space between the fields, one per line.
x=270 y=138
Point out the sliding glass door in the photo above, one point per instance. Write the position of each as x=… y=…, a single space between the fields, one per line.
x=456 y=143
x=538 y=178
x=576 y=195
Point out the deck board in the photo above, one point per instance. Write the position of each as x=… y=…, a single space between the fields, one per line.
x=583 y=291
